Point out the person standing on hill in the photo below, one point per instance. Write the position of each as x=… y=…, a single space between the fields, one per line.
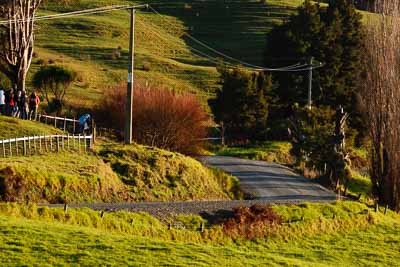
x=8 y=98
x=2 y=102
x=16 y=98
x=22 y=105
x=34 y=102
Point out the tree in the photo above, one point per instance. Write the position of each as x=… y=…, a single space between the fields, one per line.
x=53 y=82
x=241 y=105
x=17 y=39
x=334 y=36
x=381 y=98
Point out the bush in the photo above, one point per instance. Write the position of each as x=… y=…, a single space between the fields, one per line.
x=161 y=118
x=251 y=223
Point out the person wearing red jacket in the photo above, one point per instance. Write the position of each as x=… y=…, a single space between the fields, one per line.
x=34 y=102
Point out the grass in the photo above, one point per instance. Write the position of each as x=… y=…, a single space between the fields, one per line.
x=30 y=240
x=97 y=45
x=12 y=127
x=271 y=151
x=113 y=173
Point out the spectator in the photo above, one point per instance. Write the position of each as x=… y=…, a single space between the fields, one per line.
x=22 y=105
x=8 y=99
x=2 y=102
x=16 y=99
x=34 y=102
x=84 y=123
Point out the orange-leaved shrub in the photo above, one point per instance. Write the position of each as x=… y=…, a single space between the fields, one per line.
x=161 y=118
x=251 y=222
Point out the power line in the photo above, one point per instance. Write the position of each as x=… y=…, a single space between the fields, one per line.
x=76 y=13
x=292 y=68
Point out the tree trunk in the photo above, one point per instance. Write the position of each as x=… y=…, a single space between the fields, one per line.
x=17 y=39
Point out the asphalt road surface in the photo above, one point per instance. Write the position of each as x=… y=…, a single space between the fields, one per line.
x=269 y=181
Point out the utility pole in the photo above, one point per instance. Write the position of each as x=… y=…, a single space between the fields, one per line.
x=129 y=95
x=309 y=103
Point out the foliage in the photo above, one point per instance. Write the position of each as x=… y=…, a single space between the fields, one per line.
x=161 y=118
x=314 y=143
x=59 y=178
x=241 y=106
x=54 y=81
x=381 y=103
x=271 y=151
x=155 y=174
x=229 y=184
x=334 y=36
x=251 y=222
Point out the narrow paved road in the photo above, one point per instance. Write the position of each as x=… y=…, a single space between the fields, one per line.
x=269 y=181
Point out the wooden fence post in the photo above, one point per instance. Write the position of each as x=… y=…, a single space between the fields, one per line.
x=29 y=145
x=74 y=127
x=24 y=147
x=4 y=149
x=58 y=143
x=84 y=141
x=34 y=144
x=40 y=144
x=10 y=148
x=45 y=144
x=68 y=141
x=16 y=145
x=65 y=123
x=55 y=122
x=51 y=144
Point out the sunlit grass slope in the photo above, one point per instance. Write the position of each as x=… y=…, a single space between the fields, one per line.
x=97 y=45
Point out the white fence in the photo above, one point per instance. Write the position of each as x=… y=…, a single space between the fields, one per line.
x=32 y=145
x=66 y=124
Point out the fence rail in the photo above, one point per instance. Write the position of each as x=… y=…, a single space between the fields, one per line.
x=67 y=124
x=31 y=145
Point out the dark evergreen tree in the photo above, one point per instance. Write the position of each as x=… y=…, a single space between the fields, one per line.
x=333 y=36
x=241 y=105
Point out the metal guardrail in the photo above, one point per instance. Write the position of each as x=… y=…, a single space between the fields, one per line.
x=31 y=145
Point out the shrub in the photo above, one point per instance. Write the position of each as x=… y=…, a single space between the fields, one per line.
x=161 y=118
x=54 y=82
x=251 y=223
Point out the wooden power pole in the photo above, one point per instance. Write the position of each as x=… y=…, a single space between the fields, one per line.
x=309 y=104
x=129 y=95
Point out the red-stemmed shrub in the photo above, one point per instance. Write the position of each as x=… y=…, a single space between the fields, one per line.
x=161 y=118
x=251 y=222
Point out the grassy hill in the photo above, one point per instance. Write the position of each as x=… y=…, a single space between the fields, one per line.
x=97 y=45
x=11 y=128
x=40 y=236
x=114 y=174
x=111 y=173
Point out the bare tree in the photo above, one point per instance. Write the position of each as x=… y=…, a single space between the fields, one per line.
x=17 y=39
x=381 y=99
